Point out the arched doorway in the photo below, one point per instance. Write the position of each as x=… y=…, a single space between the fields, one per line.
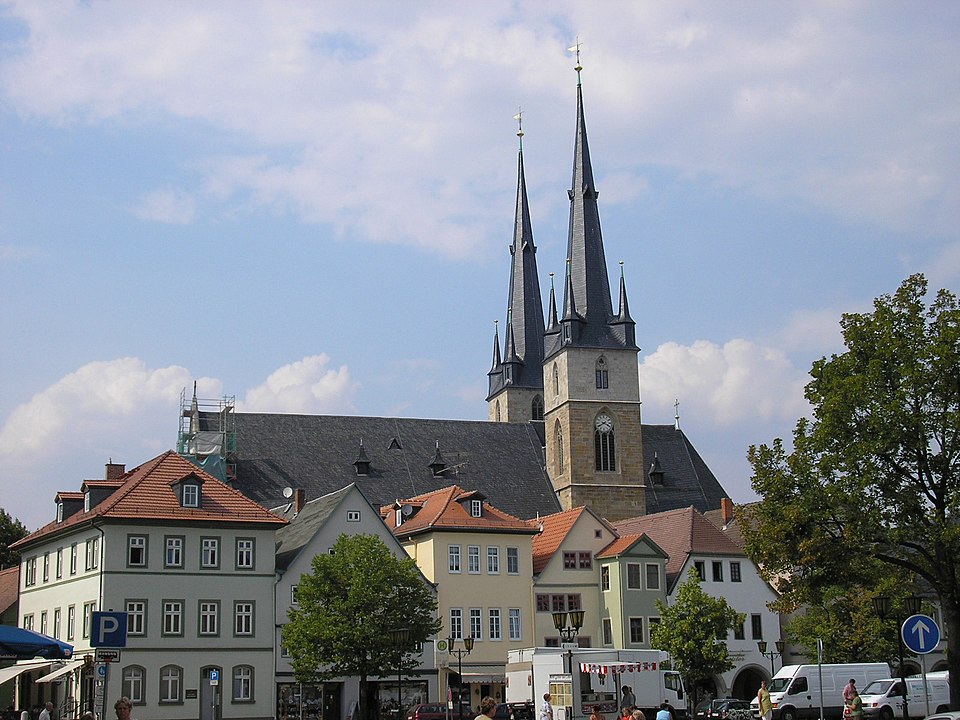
x=747 y=682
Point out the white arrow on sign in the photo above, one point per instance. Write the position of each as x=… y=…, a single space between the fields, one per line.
x=919 y=628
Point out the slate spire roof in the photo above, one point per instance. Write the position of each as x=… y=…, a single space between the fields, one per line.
x=524 y=332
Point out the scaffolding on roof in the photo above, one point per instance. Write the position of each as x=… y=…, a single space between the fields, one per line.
x=208 y=434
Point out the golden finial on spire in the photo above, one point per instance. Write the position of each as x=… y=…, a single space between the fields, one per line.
x=519 y=118
x=576 y=48
x=621 y=269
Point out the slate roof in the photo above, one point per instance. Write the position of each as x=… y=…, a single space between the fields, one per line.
x=316 y=453
x=304 y=525
x=446 y=509
x=687 y=480
x=680 y=533
x=147 y=493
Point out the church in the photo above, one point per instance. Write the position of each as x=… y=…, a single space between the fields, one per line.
x=564 y=425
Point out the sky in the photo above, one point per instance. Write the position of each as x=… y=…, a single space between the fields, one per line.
x=307 y=206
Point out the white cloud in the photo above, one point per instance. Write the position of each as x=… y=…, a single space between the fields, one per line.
x=168 y=205
x=307 y=386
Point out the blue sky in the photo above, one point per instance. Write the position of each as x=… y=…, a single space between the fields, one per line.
x=308 y=205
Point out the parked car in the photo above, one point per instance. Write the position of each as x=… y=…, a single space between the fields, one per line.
x=950 y=715
x=438 y=711
x=722 y=708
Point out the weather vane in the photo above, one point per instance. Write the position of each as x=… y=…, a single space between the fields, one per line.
x=576 y=48
x=519 y=118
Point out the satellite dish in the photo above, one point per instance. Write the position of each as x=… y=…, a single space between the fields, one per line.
x=288 y=492
x=406 y=509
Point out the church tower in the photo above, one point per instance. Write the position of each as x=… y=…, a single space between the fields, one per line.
x=594 y=451
x=516 y=378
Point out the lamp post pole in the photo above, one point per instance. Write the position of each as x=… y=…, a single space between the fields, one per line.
x=881 y=606
x=568 y=634
x=467 y=647
x=762 y=647
x=400 y=637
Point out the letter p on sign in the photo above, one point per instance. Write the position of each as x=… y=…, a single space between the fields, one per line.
x=109 y=629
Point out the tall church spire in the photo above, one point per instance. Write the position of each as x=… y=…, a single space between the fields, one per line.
x=525 y=328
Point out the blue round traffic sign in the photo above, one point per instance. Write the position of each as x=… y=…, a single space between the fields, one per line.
x=920 y=634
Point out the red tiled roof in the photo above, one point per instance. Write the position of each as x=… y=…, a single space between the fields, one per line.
x=680 y=533
x=146 y=493
x=555 y=529
x=621 y=545
x=442 y=510
x=9 y=587
x=69 y=495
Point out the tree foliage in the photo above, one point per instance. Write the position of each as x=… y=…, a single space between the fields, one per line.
x=689 y=631
x=347 y=607
x=871 y=488
x=11 y=530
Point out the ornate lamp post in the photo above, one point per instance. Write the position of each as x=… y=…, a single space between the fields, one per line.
x=762 y=647
x=400 y=638
x=467 y=647
x=568 y=633
x=881 y=606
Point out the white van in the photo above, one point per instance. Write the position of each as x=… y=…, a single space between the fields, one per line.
x=883 y=699
x=795 y=690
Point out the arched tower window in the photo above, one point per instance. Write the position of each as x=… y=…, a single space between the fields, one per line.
x=556 y=380
x=497 y=406
x=536 y=409
x=558 y=435
x=604 y=444
x=603 y=381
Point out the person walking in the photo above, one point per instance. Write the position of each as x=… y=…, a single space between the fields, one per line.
x=47 y=712
x=856 y=706
x=546 y=710
x=488 y=708
x=763 y=701
x=849 y=690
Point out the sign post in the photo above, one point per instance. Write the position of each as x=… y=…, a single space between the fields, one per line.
x=108 y=633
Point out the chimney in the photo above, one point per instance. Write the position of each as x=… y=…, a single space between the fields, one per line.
x=726 y=509
x=113 y=470
x=299 y=499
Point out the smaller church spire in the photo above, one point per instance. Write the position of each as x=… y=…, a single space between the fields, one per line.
x=553 y=325
x=495 y=367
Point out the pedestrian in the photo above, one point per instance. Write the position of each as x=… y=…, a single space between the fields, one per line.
x=488 y=707
x=856 y=706
x=546 y=710
x=664 y=712
x=628 y=700
x=123 y=708
x=597 y=713
x=849 y=690
x=763 y=701
x=88 y=716
x=46 y=713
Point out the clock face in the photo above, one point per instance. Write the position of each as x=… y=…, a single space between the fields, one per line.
x=604 y=424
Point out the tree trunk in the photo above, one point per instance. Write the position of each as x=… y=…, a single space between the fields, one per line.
x=950 y=609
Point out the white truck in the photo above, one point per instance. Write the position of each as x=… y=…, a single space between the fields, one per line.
x=596 y=681
x=796 y=691
x=883 y=699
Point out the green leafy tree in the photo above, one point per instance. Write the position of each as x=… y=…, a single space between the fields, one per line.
x=692 y=630
x=346 y=609
x=11 y=530
x=873 y=480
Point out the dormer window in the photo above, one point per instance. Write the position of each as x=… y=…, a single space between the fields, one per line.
x=86 y=501
x=59 y=512
x=191 y=495
x=476 y=508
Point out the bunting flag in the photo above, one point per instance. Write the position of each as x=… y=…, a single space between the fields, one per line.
x=598 y=669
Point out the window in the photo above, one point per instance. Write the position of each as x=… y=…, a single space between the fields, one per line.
x=209 y=617
x=293 y=594
x=513 y=561
x=717 y=571
x=556 y=380
x=734 y=571
x=88 y=609
x=172 y=617
x=453 y=558
x=536 y=408
x=493 y=560
x=607 y=631
x=636 y=630
x=738 y=632
x=191 y=495
x=59 y=512
x=244 y=553
x=497 y=407
x=170 y=681
x=604 y=444
x=210 y=552
x=569 y=561
x=137 y=550
x=473 y=559
x=59 y=563
x=573 y=602
x=604 y=577
x=73 y=559
x=633 y=576
x=173 y=555
x=756 y=627
x=46 y=567
x=494 y=629
x=71 y=621
x=476 y=623
x=243 y=683
x=558 y=435
x=93 y=553
x=43 y=622
x=653 y=576
x=353 y=516
x=584 y=561
x=133 y=684
x=558 y=603
x=603 y=381
x=476 y=508
x=701 y=570
x=28 y=622
x=56 y=623
x=543 y=603
x=136 y=617
x=456 y=623
x=30 y=572
x=514 y=620
x=243 y=618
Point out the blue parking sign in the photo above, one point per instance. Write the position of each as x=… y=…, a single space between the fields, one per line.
x=108 y=629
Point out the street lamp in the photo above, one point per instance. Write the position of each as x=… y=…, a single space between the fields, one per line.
x=400 y=637
x=467 y=647
x=881 y=606
x=762 y=647
x=568 y=632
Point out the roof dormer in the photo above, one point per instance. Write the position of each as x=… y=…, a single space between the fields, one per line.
x=473 y=503
x=362 y=463
x=189 y=491
x=68 y=504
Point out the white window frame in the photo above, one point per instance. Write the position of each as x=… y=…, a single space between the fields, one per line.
x=638 y=585
x=604 y=578
x=473 y=559
x=208 y=612
x=607 y=631
x=453 y=559
x=71 y=621
x=172 y=618
x=736 y=573
x=493 y=560
x=243 y=618
x=210 y=553
x=515 y=624
x=136 y=617
x=137 y=550
x=456 y=623
x=246 y=552
x=242 y=691
x=476 y=623
x=646 y=575
x=171 y=682
x=476 y=508
x=190 y=493
x=132 y=682
x=630 y=630
x=173 y=551
x=513 y=561
x=494 y=624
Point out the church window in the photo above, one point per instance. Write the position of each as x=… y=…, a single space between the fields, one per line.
x=536 y=411
x=604 y=444
x=558 y=433
x=603 y=380
x=498 y=410
x=556 y=380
